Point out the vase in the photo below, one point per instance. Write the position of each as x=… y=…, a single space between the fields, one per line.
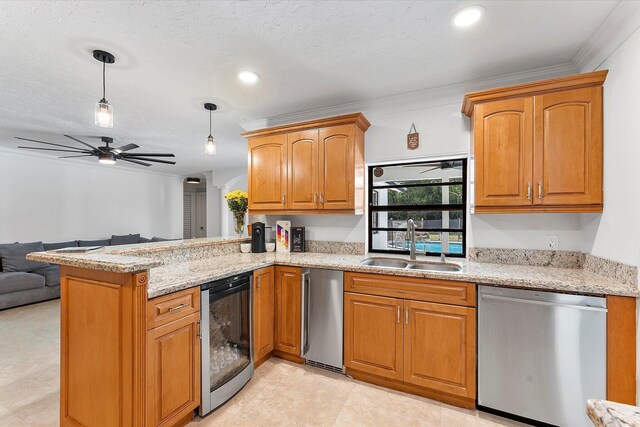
x=238 y=222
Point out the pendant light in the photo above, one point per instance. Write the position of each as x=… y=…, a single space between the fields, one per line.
x=210 y=146
x=104 y=110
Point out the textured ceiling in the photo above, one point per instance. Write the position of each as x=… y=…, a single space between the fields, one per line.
x=171 y=57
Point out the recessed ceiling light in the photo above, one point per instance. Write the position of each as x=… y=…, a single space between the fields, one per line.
x=248 y=77
x=468 y=16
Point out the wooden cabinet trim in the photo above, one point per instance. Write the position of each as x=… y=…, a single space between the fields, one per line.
x=621 y=349
x=434 y=290
x=263 y=313
x=274 y=186
x=167 y=308
x=471 y=99
x=356 y=118
x=288 y=308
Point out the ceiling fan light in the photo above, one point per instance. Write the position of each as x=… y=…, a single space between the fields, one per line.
x=193 y=180
x=107 y=158
x=104 y=114
x=210 y=146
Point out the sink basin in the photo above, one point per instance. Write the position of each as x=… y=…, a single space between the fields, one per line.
x=389 y=263
x=436 y=267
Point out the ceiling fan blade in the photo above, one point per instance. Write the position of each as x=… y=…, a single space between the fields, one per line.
x=71 y=157
x=429 y=170
x=149 y=154
x=126 y=147
x=49 y=143
x=136 y=162
x=56 y=149
x=149 y=160
x=81 y=142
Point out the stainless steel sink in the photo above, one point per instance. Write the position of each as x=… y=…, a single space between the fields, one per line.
x=400 y=264
x=436 y=267
x=382 y=262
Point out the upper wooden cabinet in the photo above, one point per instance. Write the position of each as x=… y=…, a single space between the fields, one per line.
x=538 y=146
x=312 y=167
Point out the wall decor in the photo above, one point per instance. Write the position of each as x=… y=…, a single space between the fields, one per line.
x=413 y=138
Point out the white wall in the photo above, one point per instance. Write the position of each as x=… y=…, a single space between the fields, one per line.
x=220 y=182
x=55 y=200
x=616 y=235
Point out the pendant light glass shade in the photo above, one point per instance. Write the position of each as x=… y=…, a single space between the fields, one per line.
x=104 y=114
x=210 y=146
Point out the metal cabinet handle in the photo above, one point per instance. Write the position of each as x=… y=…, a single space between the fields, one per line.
x=258 y=284
x=528 y=190
x=284 y=199
x=321 y=198
x=315 y=198
x=398 y=314
x=539 y=189
x=177 y=307
x=406 y=315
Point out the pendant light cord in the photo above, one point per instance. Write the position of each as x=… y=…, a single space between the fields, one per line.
x=104 y=86
x=209 y=122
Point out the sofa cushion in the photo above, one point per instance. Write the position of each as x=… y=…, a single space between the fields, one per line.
x=127 y=239
x=85 y=243
x=51 y=275
x=14 y=257
x=144 y=240
x=19 y=281
x=60 y=245
x=160 y=239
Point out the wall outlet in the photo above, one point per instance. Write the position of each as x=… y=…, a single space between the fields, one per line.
x=552 y=242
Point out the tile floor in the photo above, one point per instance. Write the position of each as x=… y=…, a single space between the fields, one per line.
x=280 y=393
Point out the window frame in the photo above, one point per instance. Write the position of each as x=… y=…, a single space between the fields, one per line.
x=371 y=209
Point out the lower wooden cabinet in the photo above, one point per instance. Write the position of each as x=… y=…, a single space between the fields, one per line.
x=288 y=307
x=173 y=371
x=263 y=313
x=439 y=347
x=373 y=335
x=416 y=346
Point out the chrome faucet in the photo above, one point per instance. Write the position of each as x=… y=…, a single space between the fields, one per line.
x=411 y=231
x=442 y=257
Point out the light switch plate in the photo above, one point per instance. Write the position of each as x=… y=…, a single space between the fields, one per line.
x=552 y=242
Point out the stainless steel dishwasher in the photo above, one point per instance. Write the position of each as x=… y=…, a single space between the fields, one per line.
x=541 y=355
x=322 y=314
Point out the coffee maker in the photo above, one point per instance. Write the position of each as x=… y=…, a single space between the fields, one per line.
x=258 y=237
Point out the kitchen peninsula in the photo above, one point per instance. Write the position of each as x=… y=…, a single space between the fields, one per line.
x=130 y=321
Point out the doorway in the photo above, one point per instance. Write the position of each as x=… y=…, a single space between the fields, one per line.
x=194 y=207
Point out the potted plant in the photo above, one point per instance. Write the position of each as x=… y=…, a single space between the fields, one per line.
x=238 y=202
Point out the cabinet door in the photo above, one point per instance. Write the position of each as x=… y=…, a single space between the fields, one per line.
x=288 y=309
x=173 y=370
x=503 y=149
x=373 y=334
x=263 y=312
x=303 y=169
x=337 y=179
x=568 y=147
x=440 y=347
x=268 y=172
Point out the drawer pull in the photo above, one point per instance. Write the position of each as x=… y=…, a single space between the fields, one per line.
x=178 y=307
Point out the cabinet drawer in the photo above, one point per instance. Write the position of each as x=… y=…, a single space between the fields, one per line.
x=432 y=290
x=168 y=308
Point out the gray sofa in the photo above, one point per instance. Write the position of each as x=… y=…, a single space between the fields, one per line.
x=25 y=282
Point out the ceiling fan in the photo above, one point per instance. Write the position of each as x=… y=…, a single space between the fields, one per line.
x=105 y=154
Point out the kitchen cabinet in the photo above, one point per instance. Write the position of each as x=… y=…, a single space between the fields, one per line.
x=263 y=313
x=537 y=147
x=173 y=371
x=288 y=300
x=397 y=336
x=313 y=167
x=267 y=175
x=373 y=334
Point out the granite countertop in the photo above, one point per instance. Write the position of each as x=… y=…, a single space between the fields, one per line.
x=612 y=414
x=176 y=276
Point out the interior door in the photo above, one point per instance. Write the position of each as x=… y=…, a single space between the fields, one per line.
x=568 y=147
x=201 y=214
x=303 y=169
x=373 y=334
x=288 y=309
x=439 y=347
x=503 y=148
x=268 y=172
x=263 y=312
x=337 y=179
x=186 y=215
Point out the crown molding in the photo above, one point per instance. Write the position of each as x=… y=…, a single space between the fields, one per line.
x=623 y=21
x=45 y=158
x=420 y=99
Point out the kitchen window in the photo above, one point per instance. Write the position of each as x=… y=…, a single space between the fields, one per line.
x=432 y=193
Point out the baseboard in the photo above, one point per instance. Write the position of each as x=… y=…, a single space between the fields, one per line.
x=260 y=361
x=288 y=356
x=462 y=402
